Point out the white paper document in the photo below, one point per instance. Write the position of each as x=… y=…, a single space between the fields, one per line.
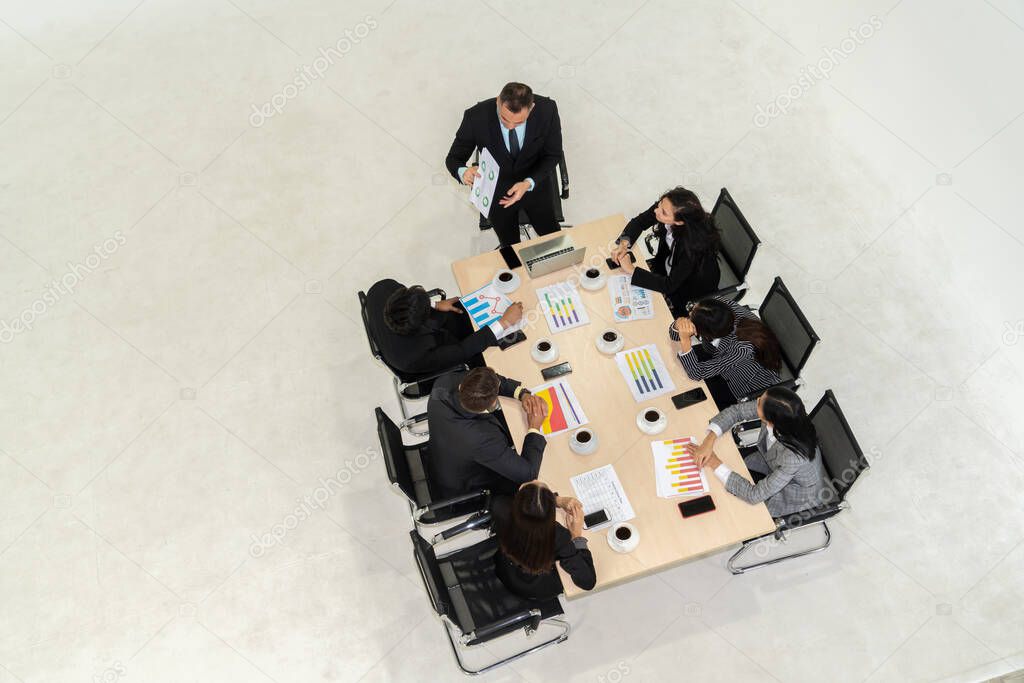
x=482 y=193
x=601 y=489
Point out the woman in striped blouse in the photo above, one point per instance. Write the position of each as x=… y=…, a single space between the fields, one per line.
x=737 y=353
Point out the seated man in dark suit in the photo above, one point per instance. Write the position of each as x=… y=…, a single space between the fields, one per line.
x=523 y=133
x=470 y=444
x=416 y=338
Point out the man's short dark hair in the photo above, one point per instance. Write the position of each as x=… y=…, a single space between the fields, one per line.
x=516 y=96
x=479 y=389
x=407 y=309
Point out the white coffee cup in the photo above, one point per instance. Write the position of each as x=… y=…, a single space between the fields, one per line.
x=591 y=279
x=623 y=537
x=544 y=351
x=609 y=341
x=583 y=441
x=505 y=281
x=651 y=421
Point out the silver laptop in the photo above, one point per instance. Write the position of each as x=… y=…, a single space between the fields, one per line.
x=547 y=257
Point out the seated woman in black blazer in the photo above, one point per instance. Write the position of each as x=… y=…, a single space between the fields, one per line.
x=738 y=354
x=685 y=267
x=531 y=541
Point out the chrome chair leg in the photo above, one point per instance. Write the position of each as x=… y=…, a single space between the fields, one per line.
x=736 y=569
x=563 y=635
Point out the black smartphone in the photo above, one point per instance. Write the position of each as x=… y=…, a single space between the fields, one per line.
x=594 y=519
x=510 y=340
x=612 y=265
x=689 y=398
x=697 y=506
x=556 y=370
x=511 y=258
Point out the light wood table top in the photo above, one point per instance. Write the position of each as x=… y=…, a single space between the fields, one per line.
x=666 y=538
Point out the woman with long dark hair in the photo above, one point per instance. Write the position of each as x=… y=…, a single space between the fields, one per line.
x=531 y=540
x=737 y=354
x=685 y=266
x=786 y=466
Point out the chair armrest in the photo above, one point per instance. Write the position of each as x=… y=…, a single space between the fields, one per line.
x=529 y=618
x=475 y=522
x=438 y=292
x=563 y=172
x=414 y=420
x=808 y=516
x=430 y=378
x=649 y=242
x=790 y=384
x=434 y=507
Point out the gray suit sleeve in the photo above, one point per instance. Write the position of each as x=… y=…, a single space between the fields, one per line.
x=766 y=488
x=734 y=414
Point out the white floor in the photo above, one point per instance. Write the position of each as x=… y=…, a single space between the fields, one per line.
x=208 y=369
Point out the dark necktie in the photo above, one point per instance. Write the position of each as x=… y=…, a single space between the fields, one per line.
x=513 y=143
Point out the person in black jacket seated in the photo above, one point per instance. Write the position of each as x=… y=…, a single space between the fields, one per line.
x=685 y=267
x=418 y=339
x=530 y=541
x=470 y=444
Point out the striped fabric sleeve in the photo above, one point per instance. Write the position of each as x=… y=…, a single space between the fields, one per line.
x=727 y=355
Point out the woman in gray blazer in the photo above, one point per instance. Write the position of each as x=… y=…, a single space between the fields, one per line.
x=787 y=470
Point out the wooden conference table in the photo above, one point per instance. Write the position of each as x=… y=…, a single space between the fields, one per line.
x=666 y=539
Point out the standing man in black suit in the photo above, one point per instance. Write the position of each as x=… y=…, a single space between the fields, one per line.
x=523 y=133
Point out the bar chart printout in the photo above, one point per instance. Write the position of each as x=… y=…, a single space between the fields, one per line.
x=644 y=372
x=564 y=409
x=675 y=472
x=485 y=305
x=563 y=308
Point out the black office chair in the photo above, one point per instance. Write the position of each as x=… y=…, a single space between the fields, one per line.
x=559 y=178
x=408 y=474
x=475 y=607
x=843 y=460
x=780 y=312
x=408 y=386
x=739 y=245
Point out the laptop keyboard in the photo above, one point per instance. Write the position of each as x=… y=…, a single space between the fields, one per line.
x=547 y=257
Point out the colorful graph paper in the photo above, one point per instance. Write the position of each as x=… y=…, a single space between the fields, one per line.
x=563 y=308
x=675 y=472
x=644 y=372
x=485 y=305
x=564 y=409
x=629 y=302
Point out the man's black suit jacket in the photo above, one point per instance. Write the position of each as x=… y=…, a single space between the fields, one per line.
x=471 y=451
x=430 y=349
x=537 y=158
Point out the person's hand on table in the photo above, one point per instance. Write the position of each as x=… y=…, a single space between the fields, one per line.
x=621 y=247
x=686 y=330
x=700 y=452
x=712 y=462
x=514 y=194
x=469 y=174
x=536 y=410
x=449 y=306
x=512 y=315
x=625 y=262
x=570 y=504
x=574 y=522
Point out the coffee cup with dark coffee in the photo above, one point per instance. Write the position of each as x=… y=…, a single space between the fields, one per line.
x=609 y=342
x=544 y=351
x=623 y=537
x=651 y=421
x=583 y=441
x=592 y=280
x=505 y=281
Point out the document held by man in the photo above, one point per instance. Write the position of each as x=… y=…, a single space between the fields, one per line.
x=482 y=194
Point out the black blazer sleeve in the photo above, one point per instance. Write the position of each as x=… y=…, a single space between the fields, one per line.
x=666 y=284
x=507 y=387
x=578 y=563
x=449 y=355
x=496 y=455
x=462 y=146
x=552 y=152
x=641 y=222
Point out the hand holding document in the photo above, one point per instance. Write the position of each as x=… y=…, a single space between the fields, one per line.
x=481 y=195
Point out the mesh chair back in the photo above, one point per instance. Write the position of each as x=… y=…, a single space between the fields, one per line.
x=430 y=572
x=739 y=243
x=796 y=336
x=841 y=454
x=393 y=449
